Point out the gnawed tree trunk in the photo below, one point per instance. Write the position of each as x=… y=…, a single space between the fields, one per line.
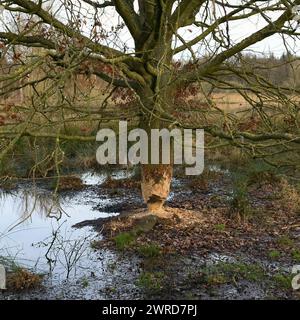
x=156 y=180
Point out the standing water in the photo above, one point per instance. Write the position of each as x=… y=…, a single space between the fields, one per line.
x=36 y=232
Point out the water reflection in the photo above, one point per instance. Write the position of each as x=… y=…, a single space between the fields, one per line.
x=29 y=202
x=36 y=232
x=36 y=228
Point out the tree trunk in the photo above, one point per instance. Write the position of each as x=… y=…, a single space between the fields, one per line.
x=156 y=180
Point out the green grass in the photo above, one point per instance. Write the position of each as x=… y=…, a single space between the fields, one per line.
x=296 y=255
x=283 y=281
x=85 y=282
x=274 y=254
x=150 y=250
x=230 y=272
x=225 y=272
x=124 y=240
x=151 y=281
x=220 y=227
x=285 y=241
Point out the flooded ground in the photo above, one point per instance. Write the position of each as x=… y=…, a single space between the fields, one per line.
x=37 y=232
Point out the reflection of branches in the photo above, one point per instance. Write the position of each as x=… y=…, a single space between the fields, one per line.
x=44 y=204
x=64 y=251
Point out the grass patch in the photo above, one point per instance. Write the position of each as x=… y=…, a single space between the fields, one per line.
x=285 y=241
x=85 y=282
x=274 y=254
x=283 y=281
x=124 y=240
x=150 y=250
x=223 y=272
x=220 y=227
x=150 y=281
x=216 y=279
x=296 y=255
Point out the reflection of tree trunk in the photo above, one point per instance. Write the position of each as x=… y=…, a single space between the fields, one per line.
x=155 y=184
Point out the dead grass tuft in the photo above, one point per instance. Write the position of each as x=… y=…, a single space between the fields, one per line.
x=23 y=279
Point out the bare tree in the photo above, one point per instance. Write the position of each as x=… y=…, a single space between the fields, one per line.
x=137 y=47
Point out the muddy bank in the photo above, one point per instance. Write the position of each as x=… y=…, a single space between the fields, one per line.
x=198 y=249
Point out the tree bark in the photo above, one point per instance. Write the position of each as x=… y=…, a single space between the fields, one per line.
x=155 y=184
x=155 y=178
